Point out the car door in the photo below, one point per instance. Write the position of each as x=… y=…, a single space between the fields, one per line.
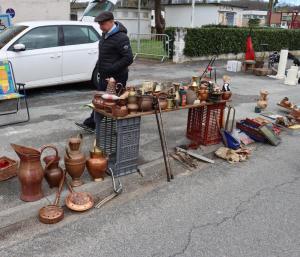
x=41 y=62
x=80 y=52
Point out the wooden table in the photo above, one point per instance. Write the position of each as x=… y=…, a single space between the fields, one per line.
x=119 y=136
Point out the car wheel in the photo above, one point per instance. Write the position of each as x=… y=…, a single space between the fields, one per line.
x=96 y=78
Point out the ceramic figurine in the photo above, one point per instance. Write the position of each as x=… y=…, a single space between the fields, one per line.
x=226 y=83
x=262 y=103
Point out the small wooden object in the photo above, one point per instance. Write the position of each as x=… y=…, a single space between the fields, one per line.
x=248 y=65
x=8 y=168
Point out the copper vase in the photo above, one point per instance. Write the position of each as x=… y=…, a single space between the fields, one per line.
x=30 y=172
x=97 y=165
x=75 y=160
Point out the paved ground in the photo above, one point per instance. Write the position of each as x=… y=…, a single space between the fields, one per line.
x=249 y=209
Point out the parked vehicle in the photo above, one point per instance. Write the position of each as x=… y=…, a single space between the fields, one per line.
x=45 y=53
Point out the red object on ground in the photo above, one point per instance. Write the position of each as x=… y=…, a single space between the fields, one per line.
x=202 y=125
x=250 y=54
x=4 y=164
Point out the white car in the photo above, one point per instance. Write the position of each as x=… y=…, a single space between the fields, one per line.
x=45 y=53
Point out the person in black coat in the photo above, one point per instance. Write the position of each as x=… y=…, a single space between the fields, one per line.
x=115 y=55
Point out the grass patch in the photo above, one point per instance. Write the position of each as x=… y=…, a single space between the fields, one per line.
x=150 y=48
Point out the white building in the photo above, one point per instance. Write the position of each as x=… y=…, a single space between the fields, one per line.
x=128 y=16
x=180 y=15
x=30 y=10
x=255 y=14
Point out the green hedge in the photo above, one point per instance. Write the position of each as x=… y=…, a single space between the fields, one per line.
x=214 y=40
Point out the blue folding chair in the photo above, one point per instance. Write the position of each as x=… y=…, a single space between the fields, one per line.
x=9 y=90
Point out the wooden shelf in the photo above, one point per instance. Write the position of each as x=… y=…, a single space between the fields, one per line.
x=140 y=114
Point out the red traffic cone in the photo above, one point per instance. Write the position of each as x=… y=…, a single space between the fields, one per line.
x=250 y=54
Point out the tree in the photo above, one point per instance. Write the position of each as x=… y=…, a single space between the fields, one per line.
x=159 y=19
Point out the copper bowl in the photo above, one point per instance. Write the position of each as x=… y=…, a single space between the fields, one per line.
x=226 y=95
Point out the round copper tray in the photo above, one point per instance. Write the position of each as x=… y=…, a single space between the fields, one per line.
x=51 y=214
x=81 y=201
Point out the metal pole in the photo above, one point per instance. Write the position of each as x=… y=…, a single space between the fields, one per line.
x=193 y=14
x=139 y=27
x=271 y=2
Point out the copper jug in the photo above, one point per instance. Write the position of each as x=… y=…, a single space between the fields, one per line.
x=30 y=172
x=53 y=173
x=75 y=160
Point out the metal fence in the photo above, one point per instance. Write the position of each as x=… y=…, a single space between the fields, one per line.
x=150 y=45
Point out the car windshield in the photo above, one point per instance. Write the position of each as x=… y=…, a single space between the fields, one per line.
x=9 y=33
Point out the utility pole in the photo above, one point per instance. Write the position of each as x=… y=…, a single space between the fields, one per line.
x=271 y=3
x=139 y=27
x=193 y=14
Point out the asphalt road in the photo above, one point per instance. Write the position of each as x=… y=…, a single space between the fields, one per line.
x=250 y=209
x=244 y=210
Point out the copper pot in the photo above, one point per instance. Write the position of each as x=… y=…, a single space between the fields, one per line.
x=53 y=173
x=226 y=95
x=30 y=171
x=133 y=108
x=203 y=94
x=296 y=114
x=98 y=101
x=120 y=111
x=109 y=104
x=163 y=102
x=75 y=160
x=145 y=103
x=97 y=165
x=132 y=99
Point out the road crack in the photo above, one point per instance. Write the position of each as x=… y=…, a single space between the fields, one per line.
x=238 y=211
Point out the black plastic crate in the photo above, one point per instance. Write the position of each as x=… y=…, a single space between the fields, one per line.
x=128 y=139
x=120 y=140
x=106 y=134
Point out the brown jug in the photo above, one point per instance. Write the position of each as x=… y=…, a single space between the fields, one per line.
x=75 y=160
x=53 y=173
x=145 y=103
x=97 y=164
x=30 y=172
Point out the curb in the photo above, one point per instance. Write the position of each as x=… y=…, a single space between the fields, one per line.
x=152 y=171
x=30 y=209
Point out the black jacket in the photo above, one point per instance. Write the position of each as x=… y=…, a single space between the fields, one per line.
x=115 y=54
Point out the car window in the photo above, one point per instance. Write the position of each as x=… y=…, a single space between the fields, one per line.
x=42 y=37
x=75 y=35
x=9 y=33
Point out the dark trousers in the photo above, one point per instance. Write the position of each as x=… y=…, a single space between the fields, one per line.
x=90 y=121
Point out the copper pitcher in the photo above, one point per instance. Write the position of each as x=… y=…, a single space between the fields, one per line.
x=97 y=163
x=30 y=171
x=53 y=172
